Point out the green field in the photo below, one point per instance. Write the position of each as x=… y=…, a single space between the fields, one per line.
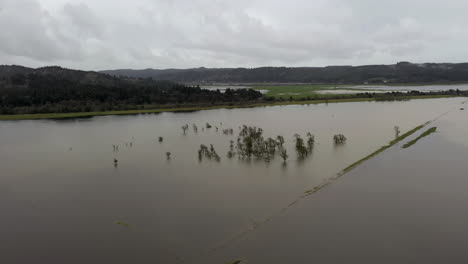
x=297 y=91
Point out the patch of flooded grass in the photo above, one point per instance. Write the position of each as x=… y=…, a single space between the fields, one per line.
x=235 y=262
x=122 y=223
x=425 y=134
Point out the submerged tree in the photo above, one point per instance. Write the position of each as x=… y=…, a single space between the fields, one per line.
x=203 y=152
x=185 y=128
x=214 y=154
x=284 y=155
x=251 y=143
x=231 y=152
x=280 y=140
x=310 y=141
x=168 y=155
x=397 y=131
x=339 y=139
x=271 y=145
x=300 y=147
x=228 y=131
x=210 y=153
x=208 y=125
x=160 y=139
x=195 y=128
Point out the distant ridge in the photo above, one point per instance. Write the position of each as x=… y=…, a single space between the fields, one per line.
x=402 y=72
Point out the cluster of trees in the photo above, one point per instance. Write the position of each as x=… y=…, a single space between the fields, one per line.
x=403 y=72
x=339 y=139
x=252 y=144
x=54 y=89
x=209 y=153
x=301 y=149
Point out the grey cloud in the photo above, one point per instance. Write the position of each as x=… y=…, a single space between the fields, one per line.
x=24 y=31
x=220 y=33
x=83 y=21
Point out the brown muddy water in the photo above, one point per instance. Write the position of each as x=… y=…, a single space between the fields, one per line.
x=403 y=206
x=63 y=201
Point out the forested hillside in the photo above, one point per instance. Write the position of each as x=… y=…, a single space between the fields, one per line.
x=403 y=72
x=55 y=89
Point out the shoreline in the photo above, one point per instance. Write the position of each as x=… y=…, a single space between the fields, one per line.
x=198 y=108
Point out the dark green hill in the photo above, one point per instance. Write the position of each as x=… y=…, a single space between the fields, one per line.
x=56 y=89
x=403 y=72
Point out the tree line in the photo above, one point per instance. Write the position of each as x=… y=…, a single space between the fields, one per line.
x=402 y=72
x=54 y=89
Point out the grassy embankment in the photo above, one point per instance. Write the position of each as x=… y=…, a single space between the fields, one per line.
x=373 y=154
x=390 y=144
x=425 y=134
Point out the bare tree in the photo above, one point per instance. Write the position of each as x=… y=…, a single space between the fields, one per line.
x=185 y=128
x=283 y=155
x=310 y=141
x=397 y=131
x=280 y=140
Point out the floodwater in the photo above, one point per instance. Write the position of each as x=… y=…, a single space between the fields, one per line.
x=403 y=206
x=63 y=200
x=421 y=88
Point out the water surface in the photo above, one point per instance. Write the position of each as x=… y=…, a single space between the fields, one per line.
x=403 y=206
x=60 y=194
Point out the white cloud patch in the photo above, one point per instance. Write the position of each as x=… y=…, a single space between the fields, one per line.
x=109 y=34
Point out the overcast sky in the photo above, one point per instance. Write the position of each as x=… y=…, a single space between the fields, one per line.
x=111 y=34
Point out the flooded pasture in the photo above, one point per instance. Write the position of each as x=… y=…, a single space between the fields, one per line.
x=59 y=182
x=407 y=205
